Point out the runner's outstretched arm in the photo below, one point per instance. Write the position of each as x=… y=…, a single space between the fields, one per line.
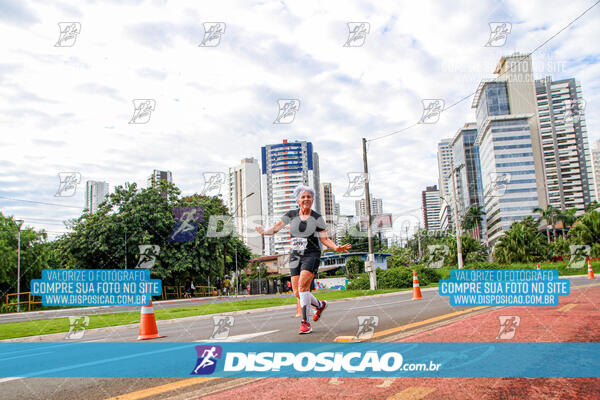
x=270 y=231
x=330 y=244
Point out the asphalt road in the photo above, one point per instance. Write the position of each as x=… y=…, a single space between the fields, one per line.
x=271 y=325
x=65 y=312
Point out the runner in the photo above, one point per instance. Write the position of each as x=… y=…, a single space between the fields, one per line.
x=306 y=228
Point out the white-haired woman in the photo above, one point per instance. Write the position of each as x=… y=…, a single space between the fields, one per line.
x=307 y=228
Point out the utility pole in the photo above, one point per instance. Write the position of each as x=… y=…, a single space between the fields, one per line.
x=419 y=240
x=370 y=263
x=457 y=223
x=237 y=277
x=19 y=223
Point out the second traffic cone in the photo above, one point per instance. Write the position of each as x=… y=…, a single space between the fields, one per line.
x=416 y=287
x=148 y=329
x=590 y=270
x=539 y=271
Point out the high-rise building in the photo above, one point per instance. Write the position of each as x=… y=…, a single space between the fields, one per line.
x=465 y=155
x=596 y=166
x=431 y=204
x=360 y=207
x=158 y=175
x=568 y=170
x=444 y=157
x=345 y=223
x=328 y=208
x=508 y=140
x=244 y=202
x=284 y=166
x=95 y=193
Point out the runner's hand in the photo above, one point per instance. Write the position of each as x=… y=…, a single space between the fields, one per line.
x=260 y=230
x=343 y=248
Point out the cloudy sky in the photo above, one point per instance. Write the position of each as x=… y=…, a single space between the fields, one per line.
x=68 y=107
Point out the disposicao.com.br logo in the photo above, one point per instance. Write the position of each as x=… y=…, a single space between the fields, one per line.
x=305 y=363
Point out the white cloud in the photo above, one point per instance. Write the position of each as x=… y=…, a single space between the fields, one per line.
x=68 y=108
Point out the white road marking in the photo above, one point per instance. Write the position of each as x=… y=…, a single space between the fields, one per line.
x=239 y=338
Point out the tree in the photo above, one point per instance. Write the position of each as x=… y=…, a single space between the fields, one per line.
x=586 y=231
x=592 y=206
x=34 y=255
x=401 y=257
x=355 y=266
x=472 y=220
x=567 y=218
x=521 y=243
x=129 y=217
x=549 y=215
x=360 y=243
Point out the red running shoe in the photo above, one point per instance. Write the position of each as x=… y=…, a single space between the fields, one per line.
x=319 y=310
x=305 y=327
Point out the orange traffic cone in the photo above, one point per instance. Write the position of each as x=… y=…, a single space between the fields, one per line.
x=416 y=287
x=539 y=271
x=590 y=270
x=148 y=329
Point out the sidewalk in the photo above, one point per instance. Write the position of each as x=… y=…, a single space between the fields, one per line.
x=575 y=319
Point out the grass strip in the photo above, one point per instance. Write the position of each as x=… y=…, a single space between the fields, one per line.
x=11 y=330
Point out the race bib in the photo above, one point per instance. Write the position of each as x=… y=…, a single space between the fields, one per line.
x=299 y=244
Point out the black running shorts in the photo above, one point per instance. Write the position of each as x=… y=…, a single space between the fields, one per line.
x=307 y=262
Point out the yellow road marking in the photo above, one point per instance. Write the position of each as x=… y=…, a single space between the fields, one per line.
x=346 y=339
x=567 y=307
x=142 y=394
x=412 y=393
x=425 y=322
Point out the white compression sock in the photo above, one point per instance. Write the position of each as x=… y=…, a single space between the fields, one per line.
x=314 y=301
x=304 y=304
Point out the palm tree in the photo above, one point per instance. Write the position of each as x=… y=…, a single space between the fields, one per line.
x=592 y=206
x=472 y=219
x=521 y=243
x=549 y=215
x=587 y=229
x=567 y=218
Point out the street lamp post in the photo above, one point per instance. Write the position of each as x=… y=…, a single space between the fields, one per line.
x=19 y=223
x=457 y=223
x=237 y=277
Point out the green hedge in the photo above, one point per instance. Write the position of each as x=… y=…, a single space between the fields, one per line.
x=396 y=278
x=401 y=277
